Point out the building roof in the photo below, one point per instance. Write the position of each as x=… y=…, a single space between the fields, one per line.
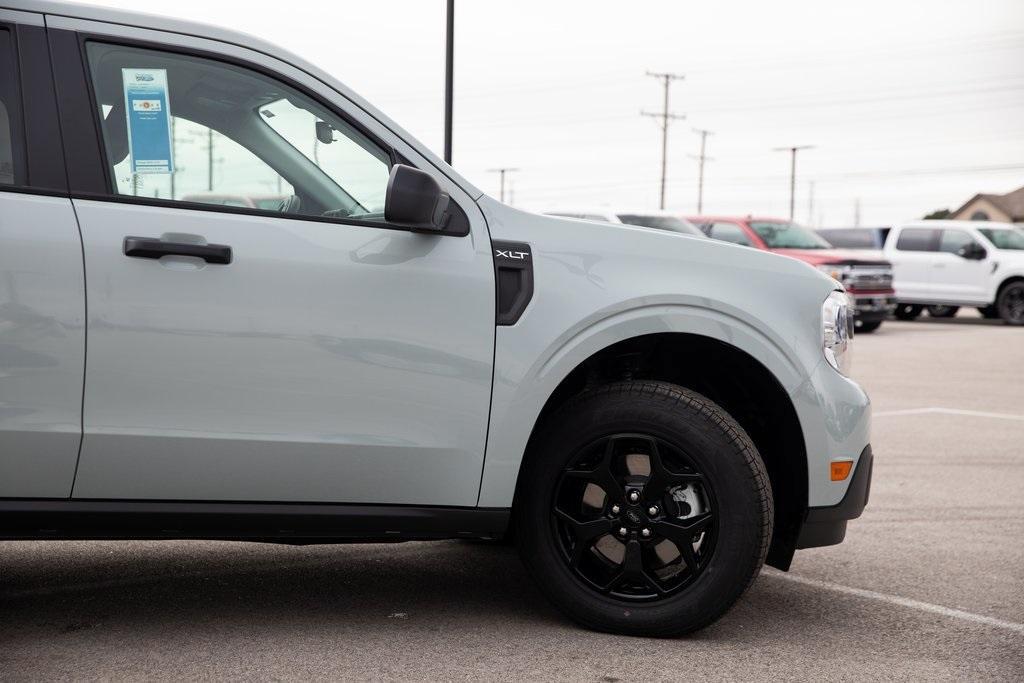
x=1011 y=203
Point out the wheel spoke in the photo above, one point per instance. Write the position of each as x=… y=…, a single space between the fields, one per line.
x=682 y=531
x=662 y=478
x=632 y=569
x=585 y=533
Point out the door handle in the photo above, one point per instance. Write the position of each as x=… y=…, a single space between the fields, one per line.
x=147 y=247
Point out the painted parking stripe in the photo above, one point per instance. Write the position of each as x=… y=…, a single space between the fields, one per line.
x=901 y=601
x=948 y=411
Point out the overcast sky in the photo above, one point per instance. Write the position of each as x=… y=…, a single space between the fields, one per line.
x=912 y=105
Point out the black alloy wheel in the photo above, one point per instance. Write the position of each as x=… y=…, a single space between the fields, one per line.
x=634 y=518
x=643 y=508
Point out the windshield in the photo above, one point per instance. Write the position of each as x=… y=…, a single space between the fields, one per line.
x=670 y=223
x=786 y=235
x=1004 y=239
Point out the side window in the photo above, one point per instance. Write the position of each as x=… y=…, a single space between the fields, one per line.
x=953 y=240
x=917 y=239
x=197 y=130
x=729 y=232
x=12 y=166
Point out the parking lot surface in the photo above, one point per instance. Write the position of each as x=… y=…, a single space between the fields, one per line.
x=929 y=583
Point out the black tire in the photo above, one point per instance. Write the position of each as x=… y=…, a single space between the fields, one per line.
x=868 y=328
x=908 y=311
x=666 y=421
x=942 y=311
x=1010 y=303
x=989 y=312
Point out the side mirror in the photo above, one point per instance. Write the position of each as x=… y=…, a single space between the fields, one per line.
x=324 y=132
x=972 y=252
x=415 y=199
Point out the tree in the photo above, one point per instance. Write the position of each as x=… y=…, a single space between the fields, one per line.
x=938 y=215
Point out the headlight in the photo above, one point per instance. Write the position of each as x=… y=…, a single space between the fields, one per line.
x=836 y=272
x=837 y=331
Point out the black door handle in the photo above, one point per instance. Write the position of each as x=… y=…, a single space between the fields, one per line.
x=147 y=247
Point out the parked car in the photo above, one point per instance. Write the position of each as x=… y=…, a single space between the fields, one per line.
x=944 y=265
x=872 y=239
x=867 y=277
x=659 y=220
x=392 y=355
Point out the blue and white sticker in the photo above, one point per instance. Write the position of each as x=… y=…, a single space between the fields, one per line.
x=148 y=108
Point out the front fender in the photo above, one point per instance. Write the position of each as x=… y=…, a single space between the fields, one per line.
x=524 y=379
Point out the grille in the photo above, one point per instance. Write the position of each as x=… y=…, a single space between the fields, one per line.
x=869 y=277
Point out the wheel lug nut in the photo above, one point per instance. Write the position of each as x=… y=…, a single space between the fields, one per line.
x=633 y=496
x=646 y=533
x=653 y=510
x=615 y=509
x=623 y=531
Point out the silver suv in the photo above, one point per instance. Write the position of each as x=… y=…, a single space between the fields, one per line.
x=387 y=353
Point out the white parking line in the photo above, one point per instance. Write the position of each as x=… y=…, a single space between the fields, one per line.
x=903 y=602
x=948 y=411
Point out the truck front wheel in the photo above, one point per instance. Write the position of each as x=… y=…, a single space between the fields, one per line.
x=1011 y=303
x=644 y=509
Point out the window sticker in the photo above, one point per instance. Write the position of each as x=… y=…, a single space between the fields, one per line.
x=148 y=109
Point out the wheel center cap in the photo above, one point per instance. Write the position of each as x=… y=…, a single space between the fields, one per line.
x=633 y=516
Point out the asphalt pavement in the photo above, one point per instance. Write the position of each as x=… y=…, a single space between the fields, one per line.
x=929 y=583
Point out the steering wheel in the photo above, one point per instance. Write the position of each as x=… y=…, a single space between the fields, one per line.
x=290 y=205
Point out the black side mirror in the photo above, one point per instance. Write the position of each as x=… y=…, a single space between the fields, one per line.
x=972 y=252
x=415 y=199
x=324 y=132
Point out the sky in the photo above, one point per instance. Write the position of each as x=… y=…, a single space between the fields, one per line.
x=910 y=105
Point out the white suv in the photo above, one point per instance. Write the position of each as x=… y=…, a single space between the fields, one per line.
x=948 y=264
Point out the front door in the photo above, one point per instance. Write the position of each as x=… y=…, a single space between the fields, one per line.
x=912 y=263
x=957 y=279
x=294 y=346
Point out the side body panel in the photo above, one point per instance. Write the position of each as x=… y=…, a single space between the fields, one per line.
x=42 y=345
x=596 y=286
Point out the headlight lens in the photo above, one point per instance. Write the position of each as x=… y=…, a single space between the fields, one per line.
x=837 y=331
x=836 y=272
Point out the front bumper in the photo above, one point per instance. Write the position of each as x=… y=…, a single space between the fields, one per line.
x=827 y=525
x=873 y=307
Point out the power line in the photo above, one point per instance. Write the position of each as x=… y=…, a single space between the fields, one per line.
x=665 y=117
x=700 y=167
x=502 y=172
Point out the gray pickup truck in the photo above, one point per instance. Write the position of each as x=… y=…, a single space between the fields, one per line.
x=387 y=354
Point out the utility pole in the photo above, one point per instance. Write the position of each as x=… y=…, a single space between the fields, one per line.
x=856 y=212
x=792 y=173
x=502 y=172
x=449 y=74
x=665 y=117
x=810 y=204
x=700 y=165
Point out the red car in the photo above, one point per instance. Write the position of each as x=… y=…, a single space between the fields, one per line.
x=868 y=279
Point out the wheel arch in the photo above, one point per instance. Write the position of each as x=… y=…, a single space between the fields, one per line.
x=1009 y=279
x=728 y=375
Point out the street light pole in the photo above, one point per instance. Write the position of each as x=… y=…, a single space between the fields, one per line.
x=792 y=173
x=449 y=73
